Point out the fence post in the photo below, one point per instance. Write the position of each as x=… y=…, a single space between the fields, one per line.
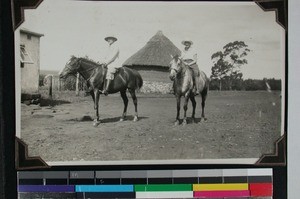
x=77 y=85
x=50 y=86
x=59 y=84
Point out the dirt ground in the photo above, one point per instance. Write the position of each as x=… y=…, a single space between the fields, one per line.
x=239 y=125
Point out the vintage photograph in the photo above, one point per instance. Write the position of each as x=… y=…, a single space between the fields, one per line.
x=149 y=82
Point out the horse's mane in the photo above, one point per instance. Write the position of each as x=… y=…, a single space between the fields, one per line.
x=89 y=61
x=176 y=56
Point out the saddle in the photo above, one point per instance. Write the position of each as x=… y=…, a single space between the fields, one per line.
x=117 y=71
x=120 y=71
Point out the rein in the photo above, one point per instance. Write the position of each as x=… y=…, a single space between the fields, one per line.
x=183 y=69
x=85 y=71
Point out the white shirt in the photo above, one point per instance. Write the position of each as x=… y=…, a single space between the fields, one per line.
x=112 y=56
x=189 y=54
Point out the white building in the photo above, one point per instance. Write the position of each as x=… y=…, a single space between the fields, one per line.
x=30 y=61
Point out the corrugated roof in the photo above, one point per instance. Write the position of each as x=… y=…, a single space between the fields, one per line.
x=157 y=52
x=24 y=30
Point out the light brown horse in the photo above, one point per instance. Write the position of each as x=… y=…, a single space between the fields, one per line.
x=183 y=84
x=94 y=74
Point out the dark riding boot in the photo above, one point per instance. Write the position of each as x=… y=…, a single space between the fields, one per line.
x=196 y=86
x=105 y=92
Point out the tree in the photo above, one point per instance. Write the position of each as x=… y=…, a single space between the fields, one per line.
x=227 y=64
x=220 y=68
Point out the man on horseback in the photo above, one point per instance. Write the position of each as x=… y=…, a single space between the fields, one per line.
x=189 y=58
x=111 y=61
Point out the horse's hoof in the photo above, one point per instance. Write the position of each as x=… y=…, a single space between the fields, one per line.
x=204 y=119
x=135 y=119
x=184 y=122
x=122 y=119
x=176 y=123
x=193 y=121
x=96 y=123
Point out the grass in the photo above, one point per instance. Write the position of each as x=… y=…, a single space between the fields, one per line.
x=70 y=96
x=241 y=124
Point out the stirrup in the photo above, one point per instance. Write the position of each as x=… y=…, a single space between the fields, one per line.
x=104 y=92
x=195 y=92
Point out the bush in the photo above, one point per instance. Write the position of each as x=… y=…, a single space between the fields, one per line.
x=248 y=84
x=41 y=79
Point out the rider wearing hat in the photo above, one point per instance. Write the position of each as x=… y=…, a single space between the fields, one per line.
x=111 y=61
x=189 y=58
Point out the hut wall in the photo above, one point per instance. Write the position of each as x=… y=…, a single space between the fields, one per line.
x=157 y=87
x=156 y=79
x=153 y=74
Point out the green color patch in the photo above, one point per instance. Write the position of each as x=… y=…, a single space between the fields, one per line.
x=164 y=187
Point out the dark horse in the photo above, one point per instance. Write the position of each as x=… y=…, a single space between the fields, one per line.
x=182 y=76
x=94 y=74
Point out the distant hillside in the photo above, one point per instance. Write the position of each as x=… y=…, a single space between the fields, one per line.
x=47 y=72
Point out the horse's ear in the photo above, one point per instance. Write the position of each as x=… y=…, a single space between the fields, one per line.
x=74 y=57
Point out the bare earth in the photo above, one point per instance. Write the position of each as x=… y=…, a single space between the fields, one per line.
x=239 y=125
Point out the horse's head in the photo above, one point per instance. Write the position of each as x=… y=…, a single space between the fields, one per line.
x=175 y=66
x=71 y=68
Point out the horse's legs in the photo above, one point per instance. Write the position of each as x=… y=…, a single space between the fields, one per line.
x=125 y=100
x=203 y=98
x=96 y=106
x=178 y=110
x=93 y=95
x=194 y=103
x=134 y=98
x=185 y=107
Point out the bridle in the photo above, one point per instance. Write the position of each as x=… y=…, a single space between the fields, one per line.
x=85 y=71
x=175 y=69
x=69 y=66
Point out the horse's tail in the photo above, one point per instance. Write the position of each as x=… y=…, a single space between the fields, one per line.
x=138 y=80
x=206 y=79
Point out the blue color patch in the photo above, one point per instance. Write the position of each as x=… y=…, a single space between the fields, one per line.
x=104 y=188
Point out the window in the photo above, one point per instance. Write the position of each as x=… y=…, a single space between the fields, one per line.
x=25 y=57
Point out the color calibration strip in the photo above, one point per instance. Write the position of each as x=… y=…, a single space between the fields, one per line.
x=215 y=183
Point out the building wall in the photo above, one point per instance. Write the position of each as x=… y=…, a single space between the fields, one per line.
x=155 y=80
x=154 y=75
x=30 y=72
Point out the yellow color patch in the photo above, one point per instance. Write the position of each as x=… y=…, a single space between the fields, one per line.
x=221 y=187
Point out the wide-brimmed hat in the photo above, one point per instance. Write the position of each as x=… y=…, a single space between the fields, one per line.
x=110 y=37
x=187 y=40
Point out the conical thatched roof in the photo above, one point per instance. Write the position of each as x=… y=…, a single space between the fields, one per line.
x=157 y=52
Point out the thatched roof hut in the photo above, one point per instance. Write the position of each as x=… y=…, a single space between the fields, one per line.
x=155 y=55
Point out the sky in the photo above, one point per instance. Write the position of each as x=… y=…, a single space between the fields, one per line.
x=79 y=27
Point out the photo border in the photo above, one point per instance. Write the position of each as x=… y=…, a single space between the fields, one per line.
x=14 y=151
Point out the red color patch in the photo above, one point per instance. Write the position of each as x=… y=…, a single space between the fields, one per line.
x=261 y=189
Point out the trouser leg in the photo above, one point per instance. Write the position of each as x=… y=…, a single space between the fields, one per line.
x=107 y=85
x=196 y=80
x=197 y=85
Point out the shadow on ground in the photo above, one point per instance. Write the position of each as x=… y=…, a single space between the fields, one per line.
x=88 y=118
x=52 y=102
x=117 y=119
